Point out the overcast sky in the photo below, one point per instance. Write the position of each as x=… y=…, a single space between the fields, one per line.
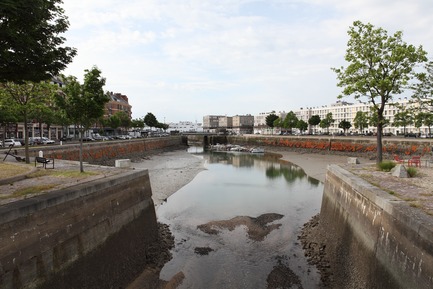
x=182 y=60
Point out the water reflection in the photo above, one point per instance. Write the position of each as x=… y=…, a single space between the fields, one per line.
x=236 y=223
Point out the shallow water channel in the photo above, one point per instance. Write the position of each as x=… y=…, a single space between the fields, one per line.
x=236 y=224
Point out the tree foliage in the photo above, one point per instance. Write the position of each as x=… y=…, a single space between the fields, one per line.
x=314 y=120
x=380 y=66
x=290 y=121
x=24 y=100
x=31 y=45
x=270 y=120
x=327 y=121
x=345 y=125
x=302 y=125
x=360 y=121
x=423 y=90
x=84 y=103
x=403 y=118
x=150 y=120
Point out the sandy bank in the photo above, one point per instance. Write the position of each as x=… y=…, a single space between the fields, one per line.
x=315 y=165
x=169 y=172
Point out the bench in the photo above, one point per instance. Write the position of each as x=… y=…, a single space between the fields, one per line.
x=44 y=162
x=414 y=161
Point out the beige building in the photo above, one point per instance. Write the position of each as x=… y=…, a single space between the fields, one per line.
x=243 y=124
x=211 y=123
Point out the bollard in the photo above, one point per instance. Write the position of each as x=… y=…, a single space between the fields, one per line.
x=41 y=154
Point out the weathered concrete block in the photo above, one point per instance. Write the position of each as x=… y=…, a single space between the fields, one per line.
x=352 y=160
x=399 y=171
x=125 y=163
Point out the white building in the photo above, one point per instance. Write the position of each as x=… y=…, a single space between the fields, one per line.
x=260 y=126
x=185 y=126
x=347 y=111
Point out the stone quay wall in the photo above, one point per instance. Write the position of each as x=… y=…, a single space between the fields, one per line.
x=389 y=243
x=42 y=237
x=326 y=144
x=94 y=235
x=106 y=152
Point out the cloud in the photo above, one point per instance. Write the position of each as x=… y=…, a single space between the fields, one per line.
x=182 y=58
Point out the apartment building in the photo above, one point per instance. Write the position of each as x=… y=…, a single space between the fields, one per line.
x=243 y=124
x=342 y=110
x=118 y=103
x=185 y=126
x=260 y=126
x=225 y=122
x=211 y=122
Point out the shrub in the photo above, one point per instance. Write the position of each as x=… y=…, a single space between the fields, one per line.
x=386 y=166
x=411 y=171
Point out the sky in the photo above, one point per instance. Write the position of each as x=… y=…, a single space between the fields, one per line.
x=184 y=59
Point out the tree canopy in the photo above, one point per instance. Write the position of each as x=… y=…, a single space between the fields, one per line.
x=31 y=45
x=24 y=100
x=380 y=66
x=360 y=121
x=84 y=103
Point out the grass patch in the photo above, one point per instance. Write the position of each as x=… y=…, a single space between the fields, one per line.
x=8 y=170
x=386 y=166
x=30 y=191
x=412 y=172
x=426 y=194
x=414 y=204
x=62 y=173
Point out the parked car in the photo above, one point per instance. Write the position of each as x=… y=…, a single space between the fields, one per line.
x=11 y=142
x=88 y=138
x=47 y=141
x=66 y=138
x=40 y=140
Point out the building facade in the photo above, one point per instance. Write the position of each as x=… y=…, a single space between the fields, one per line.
x=185 y=126
x=243 y=124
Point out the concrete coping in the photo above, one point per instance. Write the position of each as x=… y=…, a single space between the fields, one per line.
x=122 y=163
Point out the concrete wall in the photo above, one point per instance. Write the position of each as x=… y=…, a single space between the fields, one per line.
x=347 y=145
x=43 y=235
x=107 y=151
x=389 y=243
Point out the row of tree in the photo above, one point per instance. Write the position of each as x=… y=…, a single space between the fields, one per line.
x=32 y=54
x=380 y=67
x=291 y=121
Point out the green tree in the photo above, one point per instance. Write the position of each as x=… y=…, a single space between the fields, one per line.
x=423 y=90
x=302 y=125
x=345 y=125
x=31 y=45
x=327 y=121
x=125 y=122
x=278 y=123
x=270 y=120
x=380 y=66
x=403 y=118
x=150 y=120
x=373 y=119
x=314 y=120
x=7 y=114
x=113 y=121
x=290 y=121
x=84 y=104
x=360 y=121
x=26 y=98
x=137 y=123
x=424 y=118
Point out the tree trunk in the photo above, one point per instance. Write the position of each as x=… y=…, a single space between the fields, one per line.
x=81 y=151
x=379 y=142
x=26 y=139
